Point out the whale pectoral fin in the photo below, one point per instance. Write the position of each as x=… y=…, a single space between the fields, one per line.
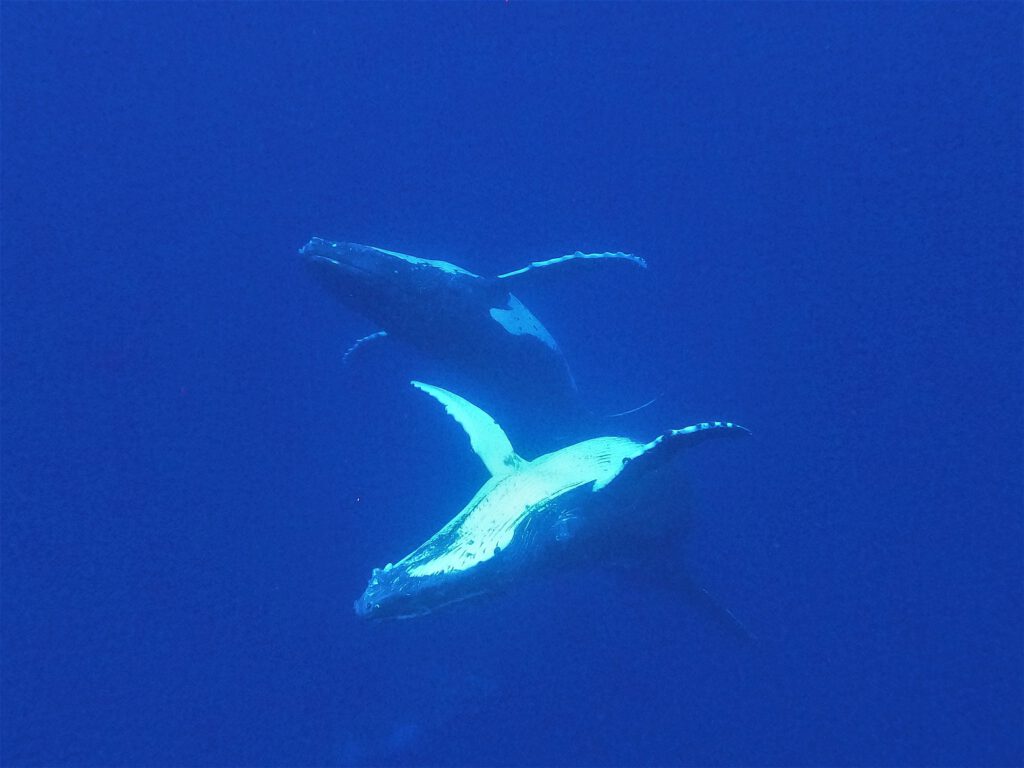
x=709 y=606
x=618 y=255
x=687 y=437
x=361 y=343
x=663 y=448
x=672 y=578
x=487 y=439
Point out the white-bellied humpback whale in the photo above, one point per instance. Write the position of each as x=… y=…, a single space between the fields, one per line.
x=574 y=505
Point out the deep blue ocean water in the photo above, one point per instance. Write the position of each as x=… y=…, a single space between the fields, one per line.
x=194 y=488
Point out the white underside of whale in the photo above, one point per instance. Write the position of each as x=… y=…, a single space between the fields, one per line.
x=487 y=524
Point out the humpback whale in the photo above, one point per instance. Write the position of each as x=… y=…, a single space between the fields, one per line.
x=472 y=322
x=575 y=505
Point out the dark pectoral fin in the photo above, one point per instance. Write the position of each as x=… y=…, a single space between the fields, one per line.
x=346 y=358
x=680 y=590
x=708 y=606
x=663 y=448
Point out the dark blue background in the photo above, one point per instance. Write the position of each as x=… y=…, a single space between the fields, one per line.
x=194 y=490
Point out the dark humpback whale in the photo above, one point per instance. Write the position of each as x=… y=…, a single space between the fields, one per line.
x=473 y=323
x=579 y=504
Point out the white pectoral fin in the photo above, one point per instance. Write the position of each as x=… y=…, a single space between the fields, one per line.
x=664 y=447
x=487 y=439
x=575 y=257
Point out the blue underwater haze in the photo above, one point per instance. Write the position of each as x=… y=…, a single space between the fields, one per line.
x=195 y=488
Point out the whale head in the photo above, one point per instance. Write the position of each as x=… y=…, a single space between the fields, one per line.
x=347 y=269
x=391 y=594
x=394 y=593
x=382 y=597
x=378 y=282
x=350 y=263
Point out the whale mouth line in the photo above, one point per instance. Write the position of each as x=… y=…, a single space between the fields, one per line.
x=373 y=614
x=342 y=266
x=318 y=257
x=376 y=612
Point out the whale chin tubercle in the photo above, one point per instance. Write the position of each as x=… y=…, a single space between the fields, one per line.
x=363 y=607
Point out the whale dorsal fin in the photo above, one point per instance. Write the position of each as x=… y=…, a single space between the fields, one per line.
x=487 y=439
